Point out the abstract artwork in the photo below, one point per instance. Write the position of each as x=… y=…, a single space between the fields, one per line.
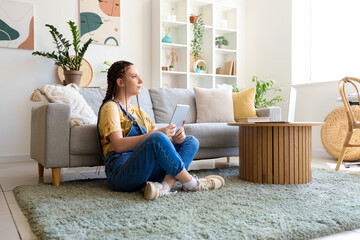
x=16 y=24
x=100 y=20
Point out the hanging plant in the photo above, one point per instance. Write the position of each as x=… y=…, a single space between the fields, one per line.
x=198 y=30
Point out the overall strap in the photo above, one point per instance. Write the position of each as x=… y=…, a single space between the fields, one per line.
x=131 y=118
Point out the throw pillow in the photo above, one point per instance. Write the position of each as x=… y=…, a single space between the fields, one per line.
x=244 y=103
x=81 y=112
x=214 y=105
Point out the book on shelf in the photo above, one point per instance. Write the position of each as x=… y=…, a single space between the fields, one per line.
x=233 y=68
x=228 y=68
x=252 y=119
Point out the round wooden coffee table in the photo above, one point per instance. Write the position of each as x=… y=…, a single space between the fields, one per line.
x=275 y=153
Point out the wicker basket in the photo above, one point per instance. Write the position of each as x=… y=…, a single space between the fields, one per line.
x=334 y=131
x=87 y=73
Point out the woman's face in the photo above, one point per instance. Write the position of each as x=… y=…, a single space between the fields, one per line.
x=133 y=81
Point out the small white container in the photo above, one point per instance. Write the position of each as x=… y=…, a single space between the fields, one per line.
x=224 y=23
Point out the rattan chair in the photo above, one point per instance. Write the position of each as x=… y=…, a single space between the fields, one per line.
x=353 y=124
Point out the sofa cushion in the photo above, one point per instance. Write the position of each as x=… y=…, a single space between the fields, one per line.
x=93 y=97
x=164 y=101
x=213 y=135
x=145 y=103
x=214 y=105
x=244 y=103
x=83 y=139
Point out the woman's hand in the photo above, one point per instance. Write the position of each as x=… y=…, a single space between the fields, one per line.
x=168 y=130
x=179 y=136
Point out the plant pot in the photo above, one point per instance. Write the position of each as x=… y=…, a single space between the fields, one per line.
x=221 y=46
x=171 y=69
x=193 y=19
x=72 y=76
x=198 y=70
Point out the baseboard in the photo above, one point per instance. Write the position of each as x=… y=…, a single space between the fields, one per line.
x=14 y=158
x=320 y=153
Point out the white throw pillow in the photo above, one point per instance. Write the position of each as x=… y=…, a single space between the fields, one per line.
x=81 y=112
x=214 y=105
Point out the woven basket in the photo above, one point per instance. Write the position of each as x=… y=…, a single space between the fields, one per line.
x=334 y=131
x=87 y=73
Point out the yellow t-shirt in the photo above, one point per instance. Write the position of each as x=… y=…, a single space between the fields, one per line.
x=112 y=119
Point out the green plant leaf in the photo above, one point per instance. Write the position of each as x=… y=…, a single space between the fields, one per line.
x=61 y=56
x=262 y=87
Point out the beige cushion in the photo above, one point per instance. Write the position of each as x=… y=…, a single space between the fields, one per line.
x=214 y=105
x=81 y=112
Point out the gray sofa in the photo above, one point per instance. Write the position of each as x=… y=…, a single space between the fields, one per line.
x=55 y=145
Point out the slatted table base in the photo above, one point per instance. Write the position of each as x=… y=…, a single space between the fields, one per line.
x=275 y=154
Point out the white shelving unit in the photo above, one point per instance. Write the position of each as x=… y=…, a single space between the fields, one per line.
x=219 y=20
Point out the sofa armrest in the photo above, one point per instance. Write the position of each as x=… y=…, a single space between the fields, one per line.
x=50 y=135
x=274 y=113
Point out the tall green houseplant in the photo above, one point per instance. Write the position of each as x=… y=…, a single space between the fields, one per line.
x=62 y=56
x=196 y=43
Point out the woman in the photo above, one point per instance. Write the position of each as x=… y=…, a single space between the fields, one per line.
x=136 y=154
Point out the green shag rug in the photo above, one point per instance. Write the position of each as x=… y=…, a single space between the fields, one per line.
x=88 y=209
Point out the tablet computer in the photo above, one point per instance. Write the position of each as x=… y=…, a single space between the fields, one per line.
x=179 y=115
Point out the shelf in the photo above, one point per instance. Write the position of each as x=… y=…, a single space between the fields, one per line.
x=173 y=72
x=226 y=76
x=224 y=31
x=219 y=20
x=173 y=24
x=201 y=74
x=173 y=45
x=224 y=51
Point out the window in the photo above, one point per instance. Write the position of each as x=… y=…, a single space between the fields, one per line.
x=329 y=33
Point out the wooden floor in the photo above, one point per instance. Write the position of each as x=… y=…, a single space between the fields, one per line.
x=13 y=224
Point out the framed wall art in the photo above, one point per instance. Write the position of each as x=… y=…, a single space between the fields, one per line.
x=100 y=20
x=16 y=24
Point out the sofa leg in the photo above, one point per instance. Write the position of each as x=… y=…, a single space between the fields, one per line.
x=41 y=170
x=228 y=159
x=56 y=172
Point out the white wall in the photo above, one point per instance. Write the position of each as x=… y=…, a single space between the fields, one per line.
x=268 y=44
x=21 y=73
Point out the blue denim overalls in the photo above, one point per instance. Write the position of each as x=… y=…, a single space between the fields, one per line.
x=151 y=160
x=122 y=157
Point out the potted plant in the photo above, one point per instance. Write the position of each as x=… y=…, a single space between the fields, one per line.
x=196 y=43
x=193 y=18
x=70 y=64
x=221 y=41
x=219 y=70
x=171 y=68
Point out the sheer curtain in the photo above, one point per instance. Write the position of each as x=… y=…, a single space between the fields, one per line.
x=334 y=39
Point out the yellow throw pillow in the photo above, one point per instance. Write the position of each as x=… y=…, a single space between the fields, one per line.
x=244 y=103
